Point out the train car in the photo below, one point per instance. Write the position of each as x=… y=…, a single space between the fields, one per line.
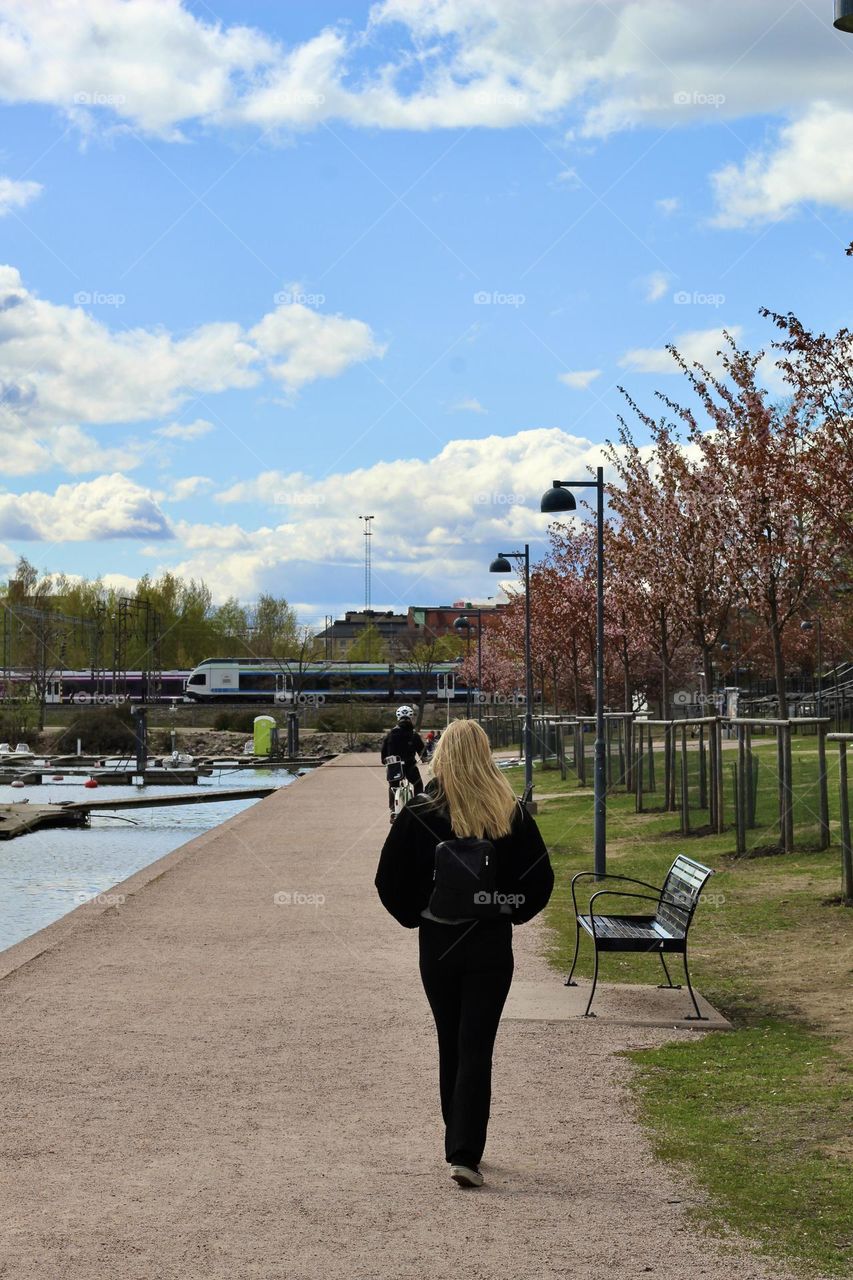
x=84 y=688
x=269 y=680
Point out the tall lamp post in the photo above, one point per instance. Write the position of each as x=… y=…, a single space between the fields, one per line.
x=501 y=564
x=557 y=501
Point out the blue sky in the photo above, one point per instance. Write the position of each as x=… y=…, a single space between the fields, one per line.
x=267 y=267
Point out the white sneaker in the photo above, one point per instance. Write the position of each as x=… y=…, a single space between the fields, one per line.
x=465 y=1177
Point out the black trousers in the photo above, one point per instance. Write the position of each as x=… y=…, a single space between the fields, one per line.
x=413 y=774
x=466 y=970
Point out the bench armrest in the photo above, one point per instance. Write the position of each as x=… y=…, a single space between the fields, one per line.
x=626 y=879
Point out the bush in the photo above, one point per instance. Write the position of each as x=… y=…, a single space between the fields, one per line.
x=236 y=721
x=353 y=717
x=101 y=729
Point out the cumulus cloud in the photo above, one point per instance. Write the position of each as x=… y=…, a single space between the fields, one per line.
x=185 y=430
x=421 y=64
x=811 y=160
x=110 y=506
x=15 y=195
x=59 y=364
x=439 y=516
x=579 y=379
x=188 y=487
x=700 y=345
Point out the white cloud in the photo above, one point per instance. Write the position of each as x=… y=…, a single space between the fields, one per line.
x=60 y=365
x=435 y=518
x=110 y=506
x=16 y=195
x=579 y=379
x=68 y=447
x=301 y=345
x=185 y=430
x=188 y=487
x=422 y=64
x=812 y=160
x=669 y=205
x=470 y=404
x=699 y=345
x=656 y=286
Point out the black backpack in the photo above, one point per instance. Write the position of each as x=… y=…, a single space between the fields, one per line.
x=464 y=880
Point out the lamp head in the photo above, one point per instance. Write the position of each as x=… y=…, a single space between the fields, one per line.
x=844 y=15
x=500 y=565
x=558 y=499
x=808 y=625
x=462 y=624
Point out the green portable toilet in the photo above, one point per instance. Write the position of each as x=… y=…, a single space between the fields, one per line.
x=265 y=734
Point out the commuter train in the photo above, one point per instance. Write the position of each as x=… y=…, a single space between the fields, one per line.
x=88 y=689
x=266 y=680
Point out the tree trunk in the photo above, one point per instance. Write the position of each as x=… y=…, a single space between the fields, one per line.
x=778 y=656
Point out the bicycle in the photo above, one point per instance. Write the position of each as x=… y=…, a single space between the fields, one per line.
x=402 y=789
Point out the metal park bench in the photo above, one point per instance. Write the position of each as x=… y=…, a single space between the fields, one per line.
x=666 y=930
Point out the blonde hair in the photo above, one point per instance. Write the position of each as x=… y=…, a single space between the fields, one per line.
x=479 y=800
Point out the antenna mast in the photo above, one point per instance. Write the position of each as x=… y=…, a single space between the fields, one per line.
x=368 y=534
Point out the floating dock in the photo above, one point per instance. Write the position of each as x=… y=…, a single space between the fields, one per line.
x=23 y=817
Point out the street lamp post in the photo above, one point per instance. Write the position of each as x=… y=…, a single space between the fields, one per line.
x=556 y=501
x=502 y=565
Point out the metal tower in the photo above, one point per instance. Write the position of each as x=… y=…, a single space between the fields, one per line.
x=368 y=534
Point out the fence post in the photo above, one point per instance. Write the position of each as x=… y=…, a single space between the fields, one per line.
x=789 y=789
x=780 y=772
x=822 y=784
x=638 y=777
x=721 y=798
x=703 y=776
x=740 y=775
x=685 y=791
x=712 y=778
x=667 y=765
x=652 y=784
x=846 y=850
x=749 y=798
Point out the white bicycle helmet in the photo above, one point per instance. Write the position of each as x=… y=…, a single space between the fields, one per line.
x=405 y=713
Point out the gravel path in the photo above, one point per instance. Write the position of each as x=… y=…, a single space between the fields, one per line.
x=205 y=1082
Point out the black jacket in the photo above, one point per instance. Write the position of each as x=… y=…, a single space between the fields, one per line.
x=402 y=741
x=404 y=877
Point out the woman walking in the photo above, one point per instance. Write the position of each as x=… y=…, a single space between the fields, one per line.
x=463 y=863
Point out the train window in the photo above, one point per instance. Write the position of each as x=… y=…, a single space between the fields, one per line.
x=200 y=678
x=257 y=680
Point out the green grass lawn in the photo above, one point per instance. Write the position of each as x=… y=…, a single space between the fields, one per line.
x=762 y=1115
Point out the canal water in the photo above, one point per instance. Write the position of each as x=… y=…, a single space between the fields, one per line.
x=46 y=874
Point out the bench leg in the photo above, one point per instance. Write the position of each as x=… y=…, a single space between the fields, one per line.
x=587 y=1013
x=676 y=986
x=697 y=1016
x=568 y=982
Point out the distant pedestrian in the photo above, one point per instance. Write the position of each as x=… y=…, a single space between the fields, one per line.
x=463 y=863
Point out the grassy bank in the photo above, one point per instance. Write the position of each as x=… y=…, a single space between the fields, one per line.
x=762 y=1116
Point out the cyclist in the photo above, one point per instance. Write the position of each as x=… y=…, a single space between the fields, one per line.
x=405 y=746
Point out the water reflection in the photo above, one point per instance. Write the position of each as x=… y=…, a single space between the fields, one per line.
x=45 y=874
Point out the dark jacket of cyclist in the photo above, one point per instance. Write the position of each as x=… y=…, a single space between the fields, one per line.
x=406 y=745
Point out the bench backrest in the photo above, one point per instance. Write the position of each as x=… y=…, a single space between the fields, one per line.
x=683 y=885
